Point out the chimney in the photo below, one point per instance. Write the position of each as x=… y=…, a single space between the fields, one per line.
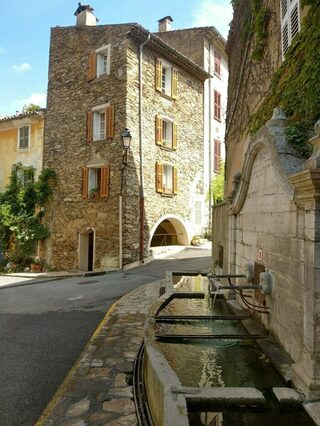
x=165 y=24
x=85 y=16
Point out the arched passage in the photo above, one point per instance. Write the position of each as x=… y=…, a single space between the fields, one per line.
x=169 y=231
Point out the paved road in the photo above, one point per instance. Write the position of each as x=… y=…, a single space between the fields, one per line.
x=44 y=327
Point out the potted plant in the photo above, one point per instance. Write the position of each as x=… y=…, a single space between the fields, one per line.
x=36 y=265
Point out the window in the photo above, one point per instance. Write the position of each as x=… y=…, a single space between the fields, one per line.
x=95 y=181
x=217 y=64
x=103 y=60
x=166 y=78
x=217 y=105
x=99 y=62
x=217 y=155
x=166 y=132
x=24 y=137
x=290 y=22
x=166 y=179
x=25 y=174
x=100 y=123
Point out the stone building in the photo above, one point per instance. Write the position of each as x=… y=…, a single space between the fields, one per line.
x=206 y=47
x=21 y=142
x=110 y=206
x=270 y=216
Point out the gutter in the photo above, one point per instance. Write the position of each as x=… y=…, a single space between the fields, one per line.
x=141 y=151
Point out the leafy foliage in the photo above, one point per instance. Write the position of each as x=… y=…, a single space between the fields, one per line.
x=295 y=86
x=255 y=27
x=30 y=108
x=21 y=211
x=217 y=185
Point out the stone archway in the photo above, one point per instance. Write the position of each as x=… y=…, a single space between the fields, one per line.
x=169 y=230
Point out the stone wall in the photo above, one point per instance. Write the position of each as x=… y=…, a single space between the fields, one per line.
x=249 y=80
x=70 y=97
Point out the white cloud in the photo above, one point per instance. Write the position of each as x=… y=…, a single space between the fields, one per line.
x=2 y=51
x=35 y=98
x=217 y=13
x=22 y=67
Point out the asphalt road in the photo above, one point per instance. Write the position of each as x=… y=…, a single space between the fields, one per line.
x=45 y=326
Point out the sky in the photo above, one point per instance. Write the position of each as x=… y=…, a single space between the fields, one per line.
x=25 y=35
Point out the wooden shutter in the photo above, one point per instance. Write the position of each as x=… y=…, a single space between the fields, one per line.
x=105 y=181
x=110 y=122
x=92 y=66
x=217 y=105
x=158 y=74
x=174 y=83
x=159 y=171
x=175 y=179
x=174 y=136
x=217 y=155
x=89 y=126
x=158 y=130
x=85 y=172
x=217 y=64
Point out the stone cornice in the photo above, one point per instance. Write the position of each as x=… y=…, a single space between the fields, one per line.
x=306 y=186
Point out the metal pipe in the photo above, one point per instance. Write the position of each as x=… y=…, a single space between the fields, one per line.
x=141 y=152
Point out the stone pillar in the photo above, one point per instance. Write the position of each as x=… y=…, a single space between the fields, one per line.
x=306 y=372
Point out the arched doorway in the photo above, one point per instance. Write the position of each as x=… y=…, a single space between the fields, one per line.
x=86 y=255
x=169 y=231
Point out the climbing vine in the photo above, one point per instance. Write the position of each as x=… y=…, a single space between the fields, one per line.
x=21 y=211
x=255 y=28
x=295 y=86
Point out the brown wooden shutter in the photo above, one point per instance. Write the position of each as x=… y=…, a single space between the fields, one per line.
x=85 y=172
x=110 y=122
x=158 y=130
x=92 y=66
x=89 y=126
x=159 y=171
x=174 y=83
x=158 y=74
x=174 y=136
x=105 y=181
x=175 y=179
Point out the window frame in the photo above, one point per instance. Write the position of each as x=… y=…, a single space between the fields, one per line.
x=286 y=23
x=96 y=186
x=162 y=176
x=217 y=105
x=97 y=111
x=29 y=138
x=102 y=52
x=217 y=64
x=217 y=155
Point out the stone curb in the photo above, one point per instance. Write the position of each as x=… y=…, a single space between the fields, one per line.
x=98 y=388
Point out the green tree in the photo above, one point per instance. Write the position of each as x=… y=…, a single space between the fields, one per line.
x=217 y=185
x=30 y=108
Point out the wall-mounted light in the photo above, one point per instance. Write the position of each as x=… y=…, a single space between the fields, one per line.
x=126 y=138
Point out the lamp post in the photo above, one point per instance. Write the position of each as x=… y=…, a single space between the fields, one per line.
x=126 y=140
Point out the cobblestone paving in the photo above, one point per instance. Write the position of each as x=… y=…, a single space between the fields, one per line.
x=98 y=391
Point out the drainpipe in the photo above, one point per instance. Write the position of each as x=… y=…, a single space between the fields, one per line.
x=141 y=153
x=210 y=140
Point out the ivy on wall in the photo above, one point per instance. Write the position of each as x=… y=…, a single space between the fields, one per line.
x=21 y=211
x=255 y=28
x=295 y=86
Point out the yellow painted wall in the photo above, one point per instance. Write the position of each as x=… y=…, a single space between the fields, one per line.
x=9 y=152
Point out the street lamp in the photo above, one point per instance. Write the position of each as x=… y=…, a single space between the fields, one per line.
x=126 y=138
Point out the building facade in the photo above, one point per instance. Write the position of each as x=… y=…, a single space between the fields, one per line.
x=270 y=217
x=110 y=206
x=206 y=47
x=21 y=141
